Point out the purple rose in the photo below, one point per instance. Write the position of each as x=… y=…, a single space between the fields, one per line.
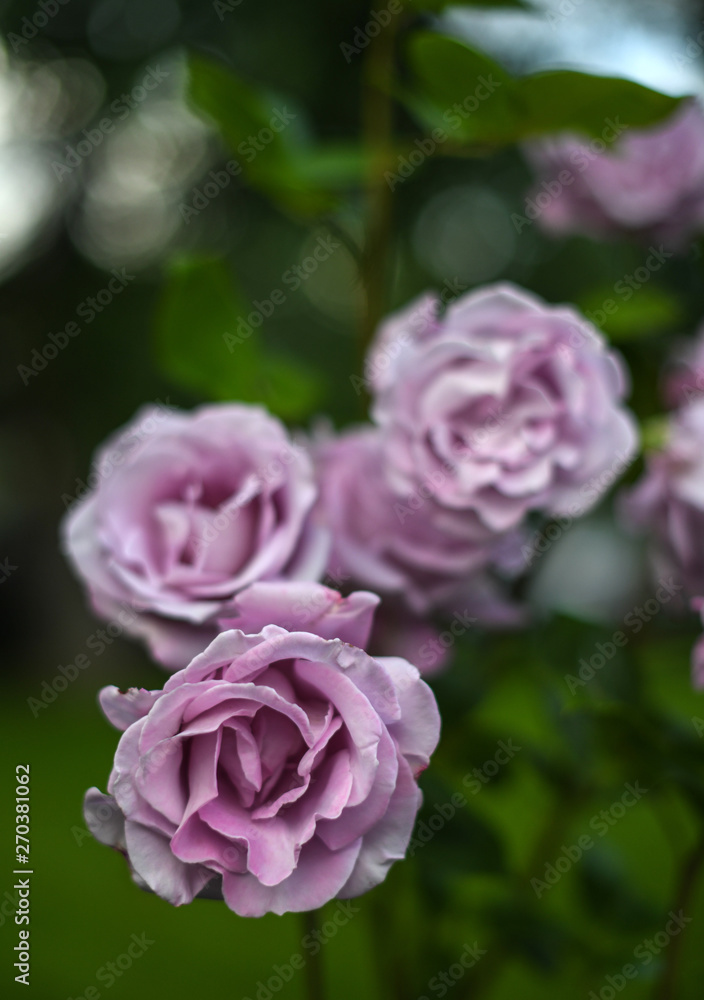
x=405 y=545
x=187 y=510
x=683 y=380
x=698 y=649
x=502 y=406
x=281 y=765
x=668 y=502
x=649 y=183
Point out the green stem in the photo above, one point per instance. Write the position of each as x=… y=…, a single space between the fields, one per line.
x=314 y=964
x=666 y=988
x=547 y=844
x=377 y=118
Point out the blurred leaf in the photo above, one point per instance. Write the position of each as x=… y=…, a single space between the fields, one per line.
x=452 y=73
x=654 y=433
x=578 y=102
x=539 y=937
x=299 y=177
x=480 y=102
x=202 y=342
x=442 y=4
x=650 y=310
x=609 y=895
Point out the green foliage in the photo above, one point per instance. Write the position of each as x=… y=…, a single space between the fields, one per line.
x=501 y=109
x=281 y=162
x=204 y=342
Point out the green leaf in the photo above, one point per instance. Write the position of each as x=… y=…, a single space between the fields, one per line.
x=238 y=110
x=568 y=100
x=270 y=140
x=470 y=92
x=202 y=343
x=477 y=101
x=441 y=4
x=650 y=310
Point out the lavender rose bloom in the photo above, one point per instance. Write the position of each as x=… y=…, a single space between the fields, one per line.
x=650 y=183
x=683 y=376
x=282 y=765
x=396 y=544
x=188 y=510
x=501 y=406
x=668 y=502
x=698 y=649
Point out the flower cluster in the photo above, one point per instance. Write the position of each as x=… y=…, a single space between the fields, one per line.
x=277 y=768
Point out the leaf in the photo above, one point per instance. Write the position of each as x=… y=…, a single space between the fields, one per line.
x=649 y=310
x=578 y=102
x=204 y=342
x=271 y=142
x=238 y=109
x=479 y=102
x=470 y=92
x=441 y=4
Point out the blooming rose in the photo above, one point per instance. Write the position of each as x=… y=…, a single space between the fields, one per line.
x=698 y=650
x=500 y=406
x=395 y=544
x=282 y=765
x=683 y=380
x=650 y=183
x=185 y=516
x=668 y=501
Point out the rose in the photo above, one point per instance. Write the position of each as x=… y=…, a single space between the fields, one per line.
x=683 y=379
x=668 y=501
x=283 y=764
x=697 y=658
x=185 y=516
x=405 y=545
x=650 y=183
x=502 y=406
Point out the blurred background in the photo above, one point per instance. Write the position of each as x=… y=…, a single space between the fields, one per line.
x=119 y=215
